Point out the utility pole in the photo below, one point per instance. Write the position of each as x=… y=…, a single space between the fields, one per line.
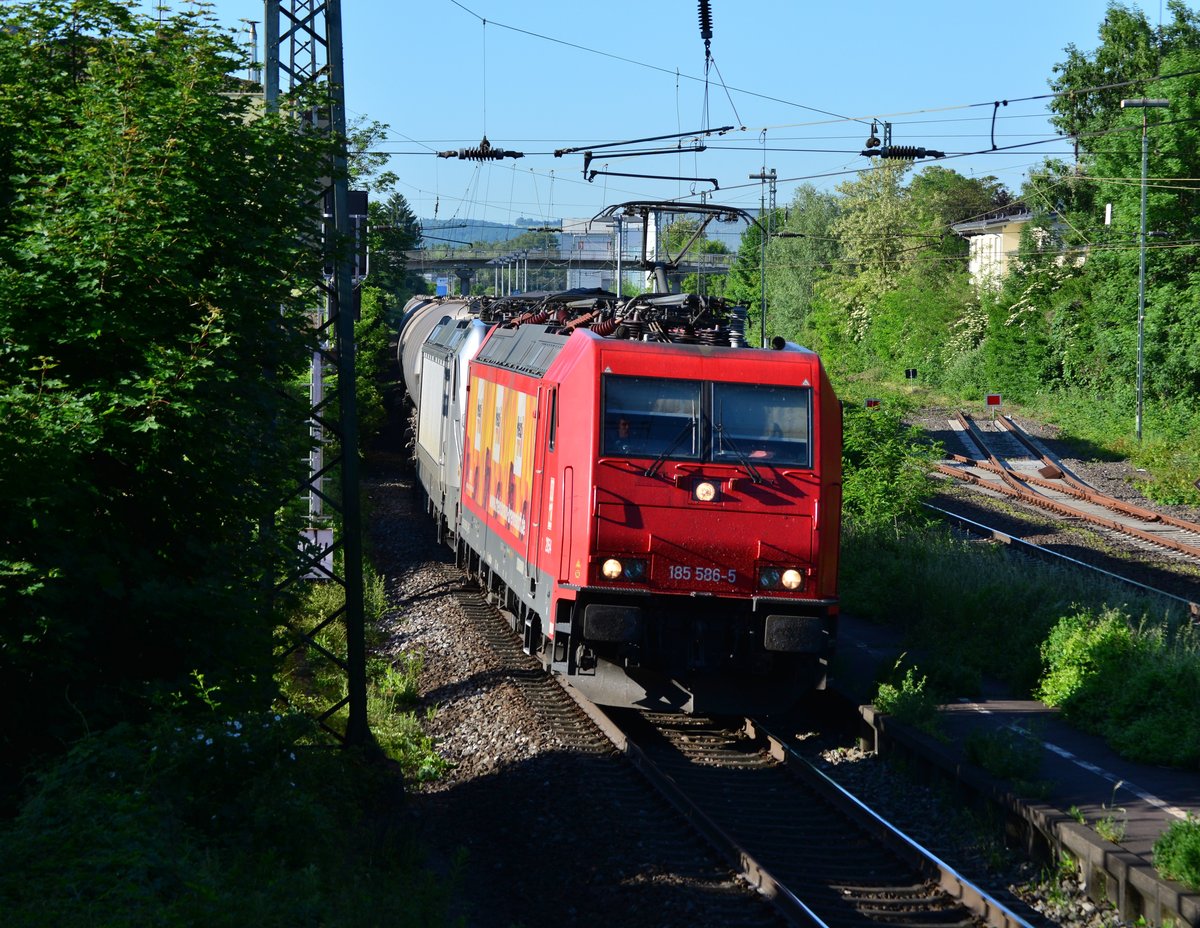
x=763 y=177
x=1142 y=103
x=304 y=45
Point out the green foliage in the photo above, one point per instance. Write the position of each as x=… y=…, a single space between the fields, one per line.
x=798 y=254
x=200 y=820
x=1177 y=853
x=393 y=229
x=744 y=284
x=152 y=279
x=1109 y=826
x=941 y=197
x=1137 y=687
x=924 y=580
x=908 y=700
x=372 y=361
x=392 y=694
x=884 y=467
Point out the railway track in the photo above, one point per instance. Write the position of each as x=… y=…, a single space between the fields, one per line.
x=819 y=856
x=1007 y=461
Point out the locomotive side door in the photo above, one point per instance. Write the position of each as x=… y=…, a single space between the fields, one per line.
x=545 y=413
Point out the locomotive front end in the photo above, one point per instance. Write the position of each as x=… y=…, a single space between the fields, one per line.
x=711 y=574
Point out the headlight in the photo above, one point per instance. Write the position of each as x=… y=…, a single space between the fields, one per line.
x=780 y=578
x=629 y=569
x=704 y=491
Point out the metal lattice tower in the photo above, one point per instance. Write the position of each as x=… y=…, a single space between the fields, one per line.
x=304 y=50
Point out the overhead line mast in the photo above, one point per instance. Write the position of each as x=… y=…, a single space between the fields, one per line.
x=304 y=44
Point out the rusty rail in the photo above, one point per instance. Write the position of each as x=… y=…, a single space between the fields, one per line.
x=1018 y=487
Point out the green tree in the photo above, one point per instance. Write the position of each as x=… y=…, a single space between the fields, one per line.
x=1101 y=317
x=941 y=197
x=151 y=273
x=798 y=255
x=744 y=284
x=393 y=230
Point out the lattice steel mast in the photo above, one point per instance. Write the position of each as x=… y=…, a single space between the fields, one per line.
x=304 y=49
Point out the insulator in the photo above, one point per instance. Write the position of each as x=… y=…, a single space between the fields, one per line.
x=706 y=32
x=907 y=152
x=535 y=318
x=607 y=327
x=481 y=152
x=737 y=327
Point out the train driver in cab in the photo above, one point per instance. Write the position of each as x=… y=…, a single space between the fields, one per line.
x=621 y=439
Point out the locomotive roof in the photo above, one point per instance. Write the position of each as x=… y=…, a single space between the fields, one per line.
x=528 y=349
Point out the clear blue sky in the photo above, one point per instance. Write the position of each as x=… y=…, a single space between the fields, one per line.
x=543 y=75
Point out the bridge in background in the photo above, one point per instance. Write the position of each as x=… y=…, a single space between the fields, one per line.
x=509 y=269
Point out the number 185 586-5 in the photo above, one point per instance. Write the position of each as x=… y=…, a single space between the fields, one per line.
x=702 y=574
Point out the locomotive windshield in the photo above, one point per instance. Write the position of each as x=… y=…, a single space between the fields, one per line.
x=693 y=420
x=650 y=416
x=761 y=423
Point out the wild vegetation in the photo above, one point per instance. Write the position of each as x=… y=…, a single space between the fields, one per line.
x=874 y=277
x=155 y=297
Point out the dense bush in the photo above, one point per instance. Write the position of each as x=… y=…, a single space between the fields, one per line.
x=150 y=266
x=1139 y=688
x=1177 y=853
x=884 y=467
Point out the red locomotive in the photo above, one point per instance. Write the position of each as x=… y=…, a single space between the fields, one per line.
x=655 y=506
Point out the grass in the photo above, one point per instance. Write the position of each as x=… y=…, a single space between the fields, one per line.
x=955 y=599
x=1004 y=753
x=1168 y=454
x=1177 y=853
x=908 y=700
x=214 y=820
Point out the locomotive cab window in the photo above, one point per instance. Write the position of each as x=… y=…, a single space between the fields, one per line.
x=651 y=416
x=762 y=423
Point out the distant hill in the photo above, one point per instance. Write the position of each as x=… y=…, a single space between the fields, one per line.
x=469 y=231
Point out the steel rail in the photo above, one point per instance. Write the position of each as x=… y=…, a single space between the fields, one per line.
x=1036 y=499
x=752 y=870
x=1082 y=491
x=955 y=887
x=951 y=882
x=1056 y=467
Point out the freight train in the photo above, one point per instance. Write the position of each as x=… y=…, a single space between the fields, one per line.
x=654 y=505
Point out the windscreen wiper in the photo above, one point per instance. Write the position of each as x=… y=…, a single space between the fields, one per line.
x=658 y=461
x=755 y=476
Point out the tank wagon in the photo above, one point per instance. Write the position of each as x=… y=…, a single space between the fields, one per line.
x=654 y=505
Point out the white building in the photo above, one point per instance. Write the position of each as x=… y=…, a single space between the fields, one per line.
x=994 y=244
